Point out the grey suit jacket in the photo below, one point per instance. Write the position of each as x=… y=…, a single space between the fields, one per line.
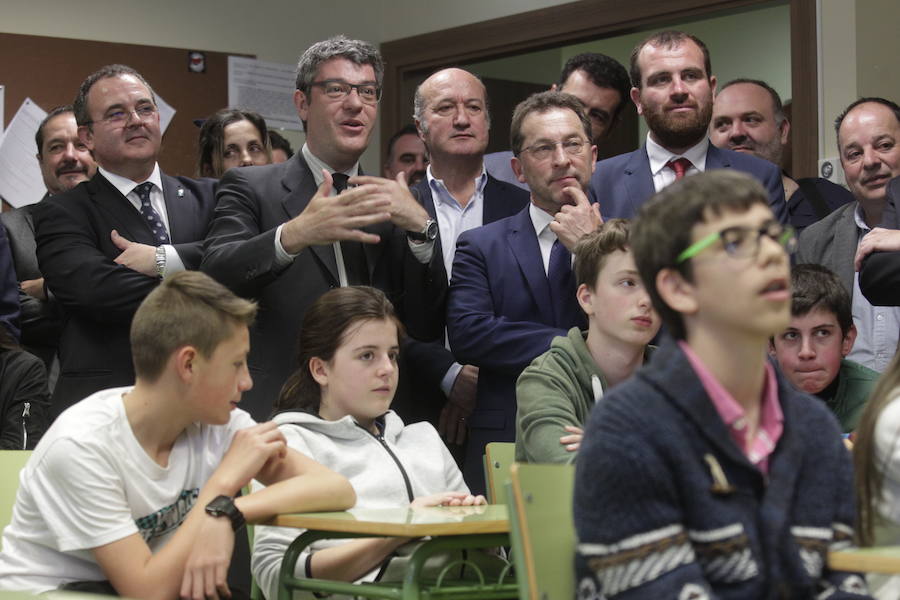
x=832 y=243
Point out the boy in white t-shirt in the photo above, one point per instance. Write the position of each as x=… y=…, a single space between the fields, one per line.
x=136 y=485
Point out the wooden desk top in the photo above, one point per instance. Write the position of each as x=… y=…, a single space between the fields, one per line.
x=403 y=522
x=884 y=559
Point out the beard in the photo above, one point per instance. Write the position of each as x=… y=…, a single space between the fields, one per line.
x=673 y=131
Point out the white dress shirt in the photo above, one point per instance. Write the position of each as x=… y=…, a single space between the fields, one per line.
x=659 y=157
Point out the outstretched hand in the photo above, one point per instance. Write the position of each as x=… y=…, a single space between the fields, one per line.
x=406 y=212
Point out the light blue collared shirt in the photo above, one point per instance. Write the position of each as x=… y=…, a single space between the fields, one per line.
x=877 y=327
x=453 y=218
x=126 y=186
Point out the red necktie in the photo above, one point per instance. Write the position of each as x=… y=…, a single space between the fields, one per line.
x=680 y=166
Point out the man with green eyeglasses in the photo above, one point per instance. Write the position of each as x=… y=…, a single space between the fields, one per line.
x=106 y=243
x=284 y=234
x=707 y=475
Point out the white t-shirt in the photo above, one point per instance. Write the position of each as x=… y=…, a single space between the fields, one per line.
x=90 y=483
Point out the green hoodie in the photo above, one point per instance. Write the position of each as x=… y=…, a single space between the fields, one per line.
x=559 y=388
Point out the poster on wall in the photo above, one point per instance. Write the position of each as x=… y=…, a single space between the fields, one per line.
x=264 y=87
x=20 y=176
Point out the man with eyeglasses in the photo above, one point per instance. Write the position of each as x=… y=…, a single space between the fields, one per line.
x=104 y=245
x=284 y=234
x=512 y=289
x=673 y=90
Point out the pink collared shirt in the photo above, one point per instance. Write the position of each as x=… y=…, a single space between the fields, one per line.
x=771 y=419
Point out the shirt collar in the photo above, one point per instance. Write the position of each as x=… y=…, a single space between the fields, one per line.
x=126 y=186
x=439 y=191
x=659 y=156
x=540 y=220
x=860 y=219
x=316 y=165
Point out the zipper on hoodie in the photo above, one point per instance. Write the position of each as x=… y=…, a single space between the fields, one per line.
x=26 y=412
x=380 y=437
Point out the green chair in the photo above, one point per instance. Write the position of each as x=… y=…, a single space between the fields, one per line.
x=11 y=463
x=541 y=530
x=498 y=457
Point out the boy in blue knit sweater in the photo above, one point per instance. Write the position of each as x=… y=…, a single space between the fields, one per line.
x=707 y=475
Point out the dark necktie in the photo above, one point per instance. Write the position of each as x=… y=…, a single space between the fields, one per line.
x=562 y=287
x=354 y=255
x=153 y=220
x=680 y=166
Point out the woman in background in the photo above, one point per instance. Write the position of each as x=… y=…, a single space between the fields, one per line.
x=876 y=457
x=232 y=138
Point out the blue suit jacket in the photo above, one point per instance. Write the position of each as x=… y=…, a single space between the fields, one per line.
x=621 y=184
x=499 y=318
x=427 y=363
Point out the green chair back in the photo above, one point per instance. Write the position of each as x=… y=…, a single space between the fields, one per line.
x=11 y=463
x=498 y=457
x=541 y=530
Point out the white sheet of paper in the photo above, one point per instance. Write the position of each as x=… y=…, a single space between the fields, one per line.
x=166 y=113
x=20 y=176
x=264 y=87
x=2 y=106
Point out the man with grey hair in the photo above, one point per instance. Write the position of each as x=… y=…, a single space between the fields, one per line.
x=105 y=244
x=748 y=117
x=451 y=114
x=286 y=233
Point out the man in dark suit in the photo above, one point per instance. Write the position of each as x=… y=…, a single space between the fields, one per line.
x=867 y=135
x=601 y=83
x=512 y=289
x=748 y=117
x=105 y=244
x=452 y=119
x=65 y=162
x=279 y=237
x=673 y=90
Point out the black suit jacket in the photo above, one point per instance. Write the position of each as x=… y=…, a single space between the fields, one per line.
x=240 y=252
x=427 y=363
x=879 y=277
x=39 y=319
x=9 y=295
x=99 y=297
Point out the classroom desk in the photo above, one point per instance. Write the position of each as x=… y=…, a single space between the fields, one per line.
x=448 y=528
x=883 y=559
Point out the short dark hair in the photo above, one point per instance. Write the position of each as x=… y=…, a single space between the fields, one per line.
x=188 y=308
x=39 y=134
x=79 y=107
x=592 y=250
x=278 y=142
x=664 y=226
x=408 y=129
x=777 y=106
x=666 y=39
x=603 y=71
x=875 y=99
x=542 y=102
x=325 y=326
x=817 y=287
x=211 y=142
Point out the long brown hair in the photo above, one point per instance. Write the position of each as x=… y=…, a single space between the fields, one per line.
x=324 y=328
x=869 y=473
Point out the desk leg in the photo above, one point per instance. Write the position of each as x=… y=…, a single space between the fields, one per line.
x=411 y=582
x=289 y=562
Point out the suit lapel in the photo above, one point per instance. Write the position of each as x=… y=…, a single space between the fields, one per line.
x=527 y=252
x=122 y=214
x=846 y=239
x=178 y=207
x=638 y=179
x=716 y=159
x=301 y=187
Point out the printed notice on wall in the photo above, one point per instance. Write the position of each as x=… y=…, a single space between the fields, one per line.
x=264 y=87
x=20 y=176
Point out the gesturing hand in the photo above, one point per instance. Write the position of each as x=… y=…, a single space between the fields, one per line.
x=573 y=221
x=406 y=213
x=135 y=256
x=328 y=219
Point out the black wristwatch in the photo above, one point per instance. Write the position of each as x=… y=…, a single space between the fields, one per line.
x=223 y=506
x=428 y=234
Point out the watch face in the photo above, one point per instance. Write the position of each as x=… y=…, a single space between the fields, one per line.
x=432 y=230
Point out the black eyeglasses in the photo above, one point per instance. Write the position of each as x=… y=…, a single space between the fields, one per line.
x=335 y=89
x=544 y=150
x=121 y=116
x=743 y=242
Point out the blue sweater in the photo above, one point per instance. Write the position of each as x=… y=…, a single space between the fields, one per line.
x=667 y=505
